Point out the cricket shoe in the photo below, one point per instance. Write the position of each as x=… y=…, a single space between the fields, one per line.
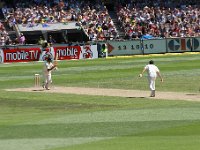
x=47 y=88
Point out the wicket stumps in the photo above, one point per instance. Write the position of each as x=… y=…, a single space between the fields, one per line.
x=37 y=80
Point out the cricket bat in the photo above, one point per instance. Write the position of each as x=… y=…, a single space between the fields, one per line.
x=56 y=61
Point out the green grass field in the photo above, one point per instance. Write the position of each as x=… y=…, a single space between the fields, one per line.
x=47 y=121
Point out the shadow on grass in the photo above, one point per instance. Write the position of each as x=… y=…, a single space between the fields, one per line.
x=137 y=97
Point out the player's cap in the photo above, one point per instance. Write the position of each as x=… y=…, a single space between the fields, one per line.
x=151 y=62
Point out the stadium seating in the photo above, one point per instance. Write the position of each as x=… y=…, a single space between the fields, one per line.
x=95 y=22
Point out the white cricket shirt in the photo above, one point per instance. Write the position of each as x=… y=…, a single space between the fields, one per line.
x=152 y=70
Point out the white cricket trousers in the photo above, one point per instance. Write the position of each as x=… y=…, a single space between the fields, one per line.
x=47 y=80
x=152 y=83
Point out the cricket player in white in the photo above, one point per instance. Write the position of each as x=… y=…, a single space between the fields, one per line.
x=152 y=72
x=48 y=67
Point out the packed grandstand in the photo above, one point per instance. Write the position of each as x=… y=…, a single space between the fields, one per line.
x=83 y=20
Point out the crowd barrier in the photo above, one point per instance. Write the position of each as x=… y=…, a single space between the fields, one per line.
x=25 y=53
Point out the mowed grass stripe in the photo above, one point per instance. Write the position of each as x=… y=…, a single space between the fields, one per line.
x=44 y=143
x=154 y=114
x=100 y=129
x=141 y=143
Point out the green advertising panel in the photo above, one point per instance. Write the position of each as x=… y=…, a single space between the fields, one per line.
x=154 y=46
x=135 y=47
x=132 y=47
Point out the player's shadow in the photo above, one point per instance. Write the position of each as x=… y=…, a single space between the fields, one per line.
x=137 y=97
x=192 y=94
x=36 y=90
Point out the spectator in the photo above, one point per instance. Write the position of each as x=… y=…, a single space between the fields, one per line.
x=42 y=42
x=51 y=40
x=22 y=39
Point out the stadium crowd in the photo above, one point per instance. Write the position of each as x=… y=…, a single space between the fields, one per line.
x=160 y=21
x=155 y=18
x=97 y=23
x=4 y=38
x=94 y=19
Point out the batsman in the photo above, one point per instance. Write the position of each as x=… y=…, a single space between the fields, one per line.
x=49 y=66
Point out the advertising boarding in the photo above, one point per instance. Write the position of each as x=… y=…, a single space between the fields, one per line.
x=136 y=47
x=183 y=44
x=65 y=52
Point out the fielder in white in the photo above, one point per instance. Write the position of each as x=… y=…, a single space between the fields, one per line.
x=48 y=67
x=152 y=71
